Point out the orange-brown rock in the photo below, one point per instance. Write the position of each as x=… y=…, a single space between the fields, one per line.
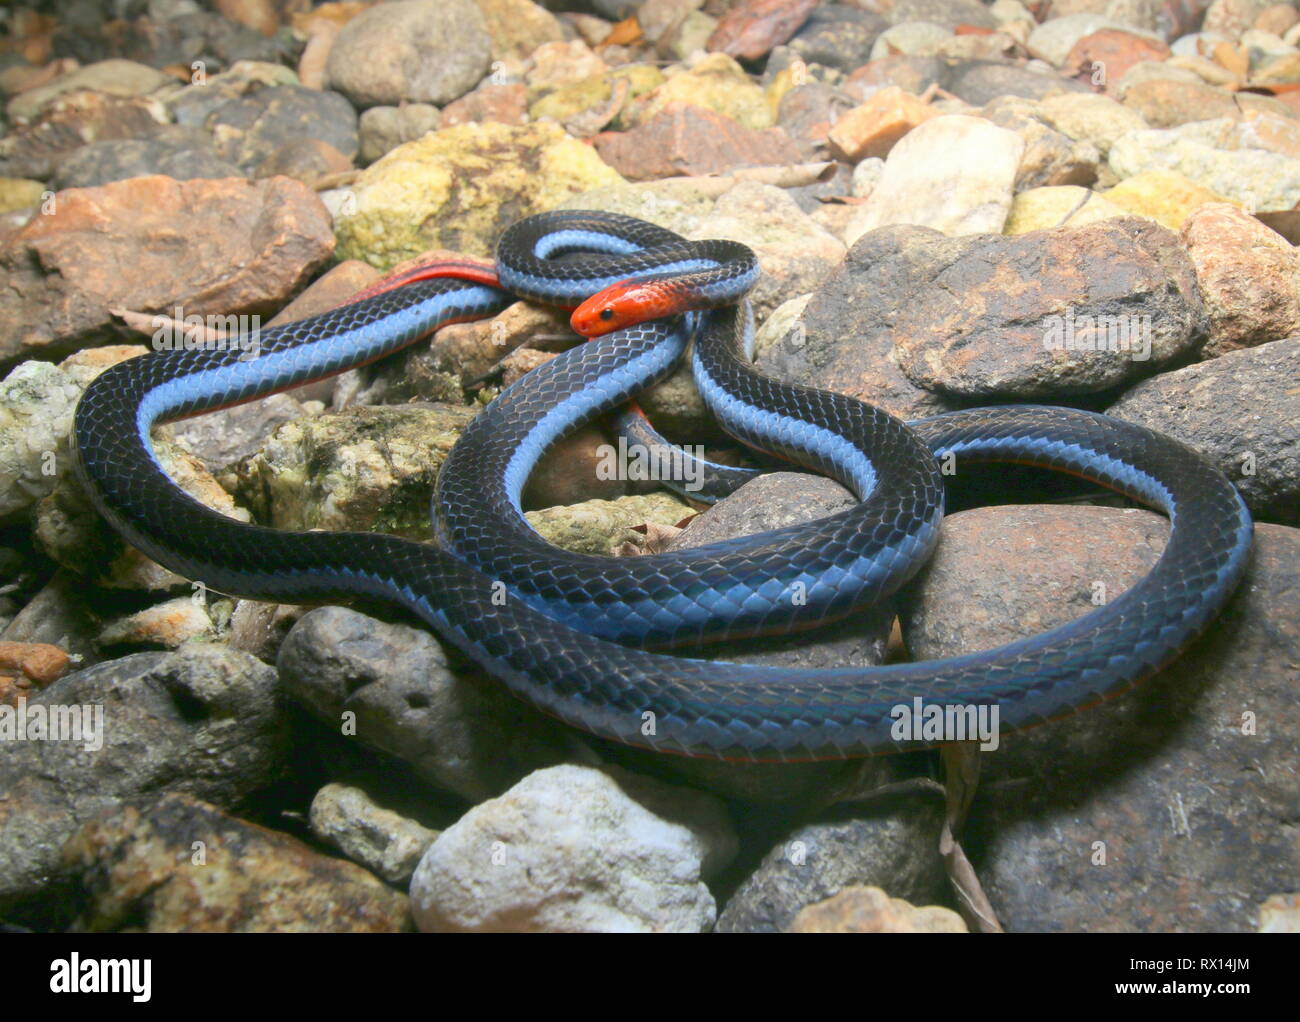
x=872 y=128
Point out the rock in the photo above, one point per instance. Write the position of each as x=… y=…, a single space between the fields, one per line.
x=751 y=28
x=517 y=27
x=952 y=173
x=391 y=688
x=911 y=74
x=716 y=82
x=1087 y=117
x=1050 y=157
x=37 y=149
x=112 y=77
x=691 y=140
x=806 y=114
x=912 y=38
x=949 y=13
x=1042 y=209
x=383 y=128
x=601 y=526
x=1167 y=103
x=308 y=160
x=1053 y=40
x=194 y=104
x=574 y=849
x=1232 y=17
x=588 y=105
x=1070 y=311
x=58 y=614
x=383 y=841
x=1237 y=411
x=1165 y=196
x=844 y=339
x=866 y=176
x=873 y=128
x=249 y=129
x=982 y=81
x=838 y=36
x=18 y=193
x=183 y=154
x=1253 y=176
x=1080 y=820
x=1105 y=56
x=1277 y=18
x=183 y=866
x=555 y=65
x=1280 y=913
x=249 y=245
x=166 y=625
x=891 y=843
x=203 y=721
x=460 y=187
x=256 y=14
x=423 y=51
x=361 y=469
x=506 y=103
x=860 y=909
x=1248 y=274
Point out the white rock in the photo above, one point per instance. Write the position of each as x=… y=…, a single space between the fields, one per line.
x=952 y=173
x=575 y=849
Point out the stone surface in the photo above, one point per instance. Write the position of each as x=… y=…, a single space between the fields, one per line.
x=392 y=688
x=601 y=526
x=689 y=140
x=1064 y=206
x=383 y=128
x=873 y=128
x=751 y=28
x=383 y=841
x=422 y=51
x=183 y=866
x=37 y=149
x=892 y=843
x=953 y=173
x=1240 y=410
x=112 y=77
x=1087 y=117
x=870 y=910
x=1248 y=274
x=1165 y=196
x=247 y=246
x=183 y=154
x=573 y=849
x=460 y=187
x=203 y=721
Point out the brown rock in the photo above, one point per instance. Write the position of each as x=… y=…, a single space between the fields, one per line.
x=1168 y=102
x=1249 y=276
x=1277 y=18
x=751 y=28
x=1065 y=311
x=149 y=244
x=70 y=122
x=870 y=910
x=183 y=866
x=308 y=160
x=689 y=140
x=505 y=103
x=873 y=128
x=1109 y=53
x=260 y=15
x=807 y=112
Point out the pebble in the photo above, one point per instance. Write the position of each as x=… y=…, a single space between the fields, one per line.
x=383 y=841
x=862 y=909
x=575 y=849
x=954 y=174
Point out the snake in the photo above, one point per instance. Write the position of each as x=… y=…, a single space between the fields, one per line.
x=597 y=642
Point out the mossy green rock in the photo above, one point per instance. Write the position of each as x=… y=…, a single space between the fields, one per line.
x=1057 y=206
x=592 y=92
x=716 y=82
x=459 y=188
x=19 y=193
x=598 y=526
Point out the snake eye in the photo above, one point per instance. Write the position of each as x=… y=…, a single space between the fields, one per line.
x=606 y=314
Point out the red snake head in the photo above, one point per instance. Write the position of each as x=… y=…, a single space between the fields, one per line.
x=625 y=304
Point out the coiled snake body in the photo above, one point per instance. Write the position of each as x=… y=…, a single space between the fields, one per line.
x=573 y=634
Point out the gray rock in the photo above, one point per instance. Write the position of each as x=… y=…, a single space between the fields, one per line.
x=979 y=82
x=204 y=721
x=252 y=127
x=390 y=686
x=181 y=153
x=1066 y=311
x=838 y=36
x=892 y=844
x=384 y=128
x=383 y=841
x=423 y=51
x=949 y=13
x=573 y=849
x=1238 y=410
